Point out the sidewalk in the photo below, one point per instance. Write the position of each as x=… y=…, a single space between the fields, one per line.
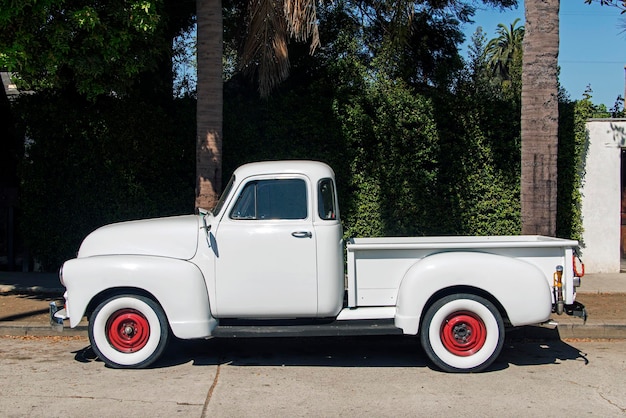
x=47 y=284
x=30 y=283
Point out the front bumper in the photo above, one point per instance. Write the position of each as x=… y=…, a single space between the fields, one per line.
x=57 y=316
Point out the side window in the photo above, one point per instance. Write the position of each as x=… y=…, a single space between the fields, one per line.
x=272 y=199
x=326 y=200
x=220 y=204
x=245 y=208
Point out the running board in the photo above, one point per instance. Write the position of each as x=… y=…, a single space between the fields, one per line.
x=303 y=328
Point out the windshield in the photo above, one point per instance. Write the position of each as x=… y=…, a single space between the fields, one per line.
x=220 y=204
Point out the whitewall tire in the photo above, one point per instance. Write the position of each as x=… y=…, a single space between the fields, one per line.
x=128 y=331
x=462 y=333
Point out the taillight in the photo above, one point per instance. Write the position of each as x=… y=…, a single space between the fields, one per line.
x=577 y=272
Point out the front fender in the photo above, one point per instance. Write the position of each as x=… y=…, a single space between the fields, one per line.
x=177 y=285
x=521 y=288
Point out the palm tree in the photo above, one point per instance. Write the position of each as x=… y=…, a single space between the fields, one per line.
x=210 y=103
x=539 y=122
x=271 y=22
x=502 y=51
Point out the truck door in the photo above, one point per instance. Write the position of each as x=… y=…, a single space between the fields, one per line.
x=266 y=252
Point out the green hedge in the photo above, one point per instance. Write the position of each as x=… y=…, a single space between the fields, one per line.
x=573 y=147
x=87 y=165
x=407 y=162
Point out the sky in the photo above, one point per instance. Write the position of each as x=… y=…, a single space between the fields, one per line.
x=592 y=49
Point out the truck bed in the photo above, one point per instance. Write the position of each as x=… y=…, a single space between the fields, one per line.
x=376 y=266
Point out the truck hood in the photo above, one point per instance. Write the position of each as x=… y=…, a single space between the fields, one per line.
x=175 y=237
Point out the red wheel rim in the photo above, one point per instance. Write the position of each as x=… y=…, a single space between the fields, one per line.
x=128 y=330
x=463 y=333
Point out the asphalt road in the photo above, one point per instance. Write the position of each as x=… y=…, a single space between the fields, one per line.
x=374 y=376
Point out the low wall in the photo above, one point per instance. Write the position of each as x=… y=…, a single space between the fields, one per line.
x=601 y=195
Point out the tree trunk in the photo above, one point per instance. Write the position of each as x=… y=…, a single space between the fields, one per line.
x=210 y=103
x=540 y=116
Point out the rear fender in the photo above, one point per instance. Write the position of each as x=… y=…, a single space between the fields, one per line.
x=519 y=287
x=177 y=285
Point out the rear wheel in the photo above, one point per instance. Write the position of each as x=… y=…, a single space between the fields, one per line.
x=128 y=331
x=462 y=333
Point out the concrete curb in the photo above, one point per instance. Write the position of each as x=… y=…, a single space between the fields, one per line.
x=592 y=331
x=569 y=331
x=25 y=328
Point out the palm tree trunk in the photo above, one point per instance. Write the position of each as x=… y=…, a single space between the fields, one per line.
x=540 y=114
x=210 y=103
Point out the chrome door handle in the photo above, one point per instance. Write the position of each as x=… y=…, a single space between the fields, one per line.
x=302 y=234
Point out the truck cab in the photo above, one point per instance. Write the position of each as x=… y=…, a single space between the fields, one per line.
x=276 y=240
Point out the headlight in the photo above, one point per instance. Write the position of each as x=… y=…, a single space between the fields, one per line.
x=61 y=275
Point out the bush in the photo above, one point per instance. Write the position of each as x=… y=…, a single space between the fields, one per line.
x=87 y=165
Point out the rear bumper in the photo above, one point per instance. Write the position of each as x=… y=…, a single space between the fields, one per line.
x=577 y=309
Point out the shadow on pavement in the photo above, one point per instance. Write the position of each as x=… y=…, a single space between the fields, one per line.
x=531 y=353
x=23 y=315
x=366 y=351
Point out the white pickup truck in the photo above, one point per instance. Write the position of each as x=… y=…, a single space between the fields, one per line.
x=269 y=261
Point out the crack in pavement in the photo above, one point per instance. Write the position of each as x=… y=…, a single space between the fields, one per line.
x=605 y=398
x=610 y=402
x=210 y=394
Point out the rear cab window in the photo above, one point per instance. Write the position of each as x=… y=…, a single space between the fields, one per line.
x=326 y=200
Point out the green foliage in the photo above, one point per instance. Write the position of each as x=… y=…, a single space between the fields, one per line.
x=573 y=147
x=408 y=163
x=480 y=176
x=620 y=4
x=292 y=124
x=427 y=55
x=105 y=140
x=88 y=165
x=93 y=47
x=393 y=148
x=502 y=51
x=480 y=129
x=416 y=152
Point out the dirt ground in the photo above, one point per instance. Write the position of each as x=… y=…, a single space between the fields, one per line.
x=26 y=307
x=611 y=307
x=604 y=306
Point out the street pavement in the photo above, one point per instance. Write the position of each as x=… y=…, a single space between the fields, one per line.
x=47 y=284
x=379 y=376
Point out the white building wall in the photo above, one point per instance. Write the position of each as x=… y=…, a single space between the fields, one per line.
x=601 y=196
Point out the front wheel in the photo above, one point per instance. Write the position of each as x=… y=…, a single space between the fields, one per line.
x=128 y=331
x=462 y=333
